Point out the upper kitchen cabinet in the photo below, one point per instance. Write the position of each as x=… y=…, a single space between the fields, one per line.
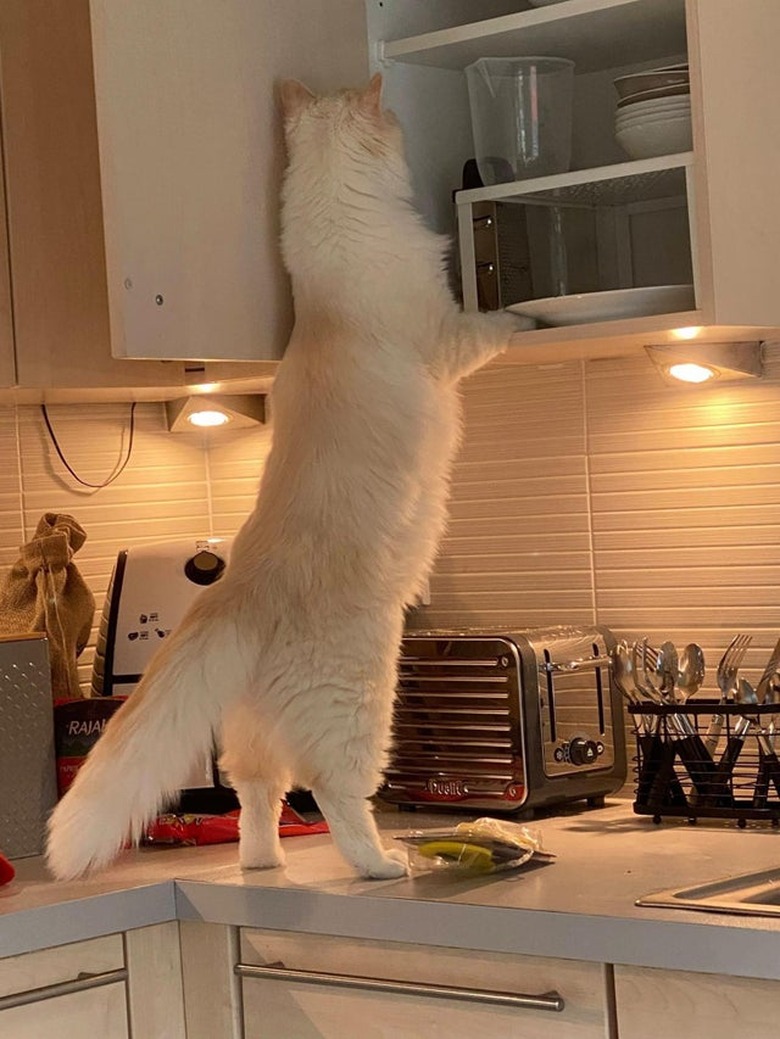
x=143 y=155
x=619 y=249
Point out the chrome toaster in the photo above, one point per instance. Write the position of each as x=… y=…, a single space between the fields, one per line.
x=506 y=722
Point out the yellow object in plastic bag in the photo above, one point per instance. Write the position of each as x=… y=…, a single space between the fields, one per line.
x=472 y=857
x=483 y=846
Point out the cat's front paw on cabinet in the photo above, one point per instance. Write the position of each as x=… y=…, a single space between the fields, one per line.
x=391 y=865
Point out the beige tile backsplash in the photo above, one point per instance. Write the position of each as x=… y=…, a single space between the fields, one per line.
x=583 y=492
x=174 y=486
x=597 y=492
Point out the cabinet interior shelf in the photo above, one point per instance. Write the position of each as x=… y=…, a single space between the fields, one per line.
x=616 y=184
x=594 y=34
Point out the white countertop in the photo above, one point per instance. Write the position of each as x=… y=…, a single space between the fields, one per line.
x=581 y=906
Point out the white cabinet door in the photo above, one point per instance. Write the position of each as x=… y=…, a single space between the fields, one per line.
x=739 y=220
x=343 y=1009
x=93 y=1013
x=652 y=1003
x=35 y=970
x=191 y=157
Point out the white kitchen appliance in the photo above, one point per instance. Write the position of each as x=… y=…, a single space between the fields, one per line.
x=151 y=588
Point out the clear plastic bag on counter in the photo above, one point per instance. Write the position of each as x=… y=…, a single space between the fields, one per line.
x=480 y=846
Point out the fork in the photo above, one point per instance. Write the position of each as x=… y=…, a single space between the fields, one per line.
x=728 y=668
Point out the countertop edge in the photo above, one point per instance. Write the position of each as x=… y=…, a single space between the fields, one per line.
x=62 y=923
x=684 y=944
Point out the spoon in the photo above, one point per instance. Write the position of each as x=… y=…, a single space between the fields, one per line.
x=624 y=671
x=640 y=654
x=667 y=669
x=682 y=676
x=690 y=674
x=625 y=679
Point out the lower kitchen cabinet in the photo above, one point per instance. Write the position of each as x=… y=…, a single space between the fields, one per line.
x=93 y=1012
x=70 y=991
x=112 y=987
x=389 y=990
x=653 y=1003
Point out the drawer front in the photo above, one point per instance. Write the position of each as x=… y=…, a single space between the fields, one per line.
x=698 y=1006
x=35 y=970
x=419 y=1000
x=97 y=1014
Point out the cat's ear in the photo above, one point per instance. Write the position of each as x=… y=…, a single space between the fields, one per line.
x=294 y=97
x=371 y=98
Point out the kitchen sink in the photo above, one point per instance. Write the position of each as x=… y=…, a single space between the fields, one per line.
x=753 y=894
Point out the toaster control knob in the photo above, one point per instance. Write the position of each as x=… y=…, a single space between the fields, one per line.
x=582 y=751
x=204 y=568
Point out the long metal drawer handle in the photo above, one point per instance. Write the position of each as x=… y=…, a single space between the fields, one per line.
x=546 y=1001
x=585 y=664
x=63 y=988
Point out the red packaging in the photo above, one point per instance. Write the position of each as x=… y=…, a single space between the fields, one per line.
x=77 y=726
x=7 y=872
x=220 y=829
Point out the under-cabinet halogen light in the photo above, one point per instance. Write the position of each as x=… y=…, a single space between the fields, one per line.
x=214 y=411
x=689 y=372
x=208 y=419
x=702 y=362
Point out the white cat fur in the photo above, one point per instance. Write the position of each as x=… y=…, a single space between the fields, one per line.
x=291 y=656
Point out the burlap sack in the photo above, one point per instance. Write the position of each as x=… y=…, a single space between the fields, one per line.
x=44 y=591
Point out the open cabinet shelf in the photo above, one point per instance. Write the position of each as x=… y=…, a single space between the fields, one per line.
x=676 y=220
x=638 y=180
x=585 y=31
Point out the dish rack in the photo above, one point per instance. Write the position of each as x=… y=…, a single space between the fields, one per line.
x=706 y=759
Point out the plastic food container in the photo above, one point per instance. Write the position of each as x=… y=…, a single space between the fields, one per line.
x=521 y=115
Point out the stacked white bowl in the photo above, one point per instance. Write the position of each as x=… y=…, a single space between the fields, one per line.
x=654 y=112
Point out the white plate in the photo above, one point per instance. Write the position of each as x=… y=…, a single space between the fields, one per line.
x=648 y=140
x=679 y=103
x=629 y=100
x=607 y=306
x=638 y=121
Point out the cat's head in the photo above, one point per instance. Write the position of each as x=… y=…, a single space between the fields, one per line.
x=350 y=122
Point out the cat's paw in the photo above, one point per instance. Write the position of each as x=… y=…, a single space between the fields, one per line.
x=260 y=858
x=391 y=865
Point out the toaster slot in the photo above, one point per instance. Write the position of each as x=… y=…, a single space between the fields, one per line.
x=599 y=693
x=550 y=696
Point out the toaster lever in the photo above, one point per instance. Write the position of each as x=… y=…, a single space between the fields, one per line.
x=583 y=664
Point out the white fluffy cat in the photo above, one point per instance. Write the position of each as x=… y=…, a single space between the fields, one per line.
x=291 y=658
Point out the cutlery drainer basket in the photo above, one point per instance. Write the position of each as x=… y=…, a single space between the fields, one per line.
x=706 y=759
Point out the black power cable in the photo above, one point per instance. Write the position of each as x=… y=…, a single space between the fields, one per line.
x=118 y=468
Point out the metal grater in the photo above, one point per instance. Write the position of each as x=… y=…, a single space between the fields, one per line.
x=28 y=784
x=506 y=722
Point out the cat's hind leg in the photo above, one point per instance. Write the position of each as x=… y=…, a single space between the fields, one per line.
x=259 y=846
x=260 y=781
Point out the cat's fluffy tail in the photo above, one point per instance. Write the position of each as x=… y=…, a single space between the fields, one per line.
x=149 y=746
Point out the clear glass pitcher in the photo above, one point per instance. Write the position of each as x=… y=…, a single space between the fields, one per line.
x=521 y=113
